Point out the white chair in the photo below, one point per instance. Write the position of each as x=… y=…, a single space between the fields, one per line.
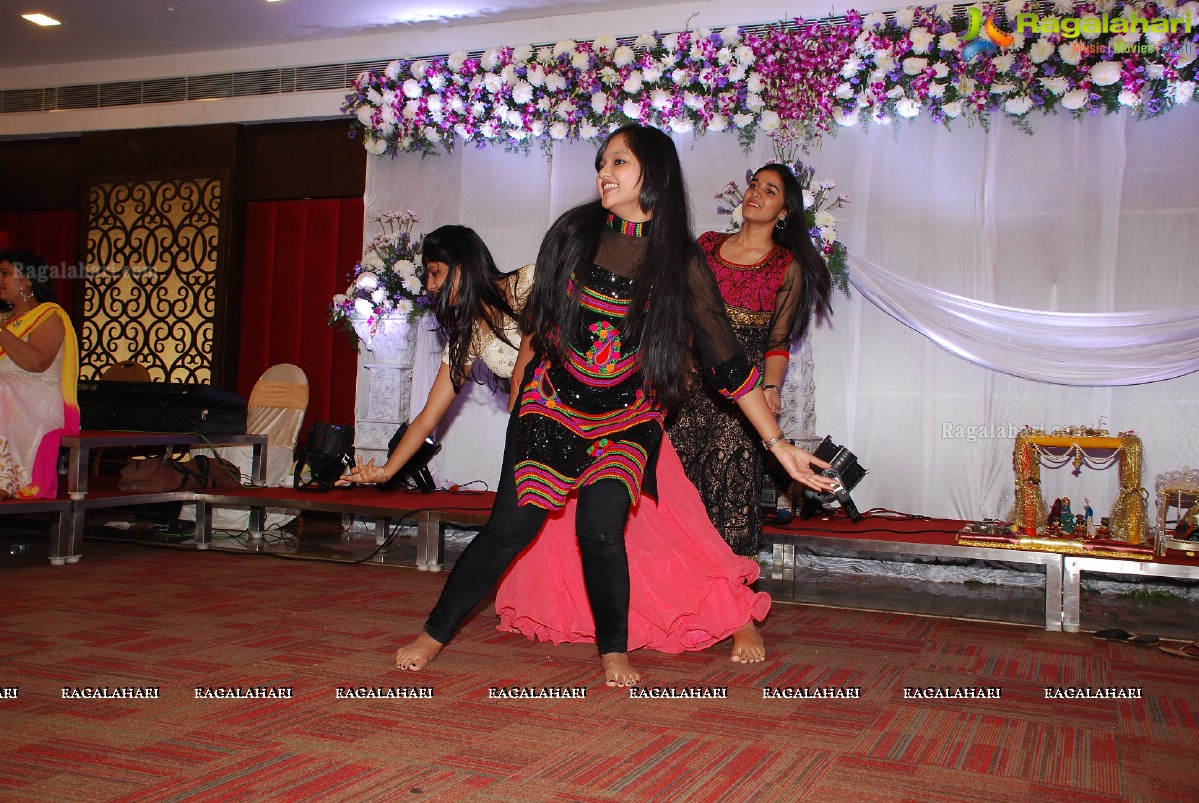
x=276 y=408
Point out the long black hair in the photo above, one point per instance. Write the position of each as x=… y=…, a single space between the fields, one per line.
x=34 y=268
x=471 y=295
x=796 y=238
x=661 y=292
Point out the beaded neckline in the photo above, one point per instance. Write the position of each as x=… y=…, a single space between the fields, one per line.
x=628 y=228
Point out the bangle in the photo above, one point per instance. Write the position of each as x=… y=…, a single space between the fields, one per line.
x=773 y=442
x=775 y=388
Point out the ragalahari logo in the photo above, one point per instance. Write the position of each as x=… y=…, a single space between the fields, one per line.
x=994 y=38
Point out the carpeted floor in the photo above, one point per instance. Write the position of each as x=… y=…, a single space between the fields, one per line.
x=174 y=620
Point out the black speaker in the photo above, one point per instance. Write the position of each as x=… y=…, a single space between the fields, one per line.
x=845 y=470
x=414 y=473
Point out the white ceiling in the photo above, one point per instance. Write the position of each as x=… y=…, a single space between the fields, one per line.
x=100 y=30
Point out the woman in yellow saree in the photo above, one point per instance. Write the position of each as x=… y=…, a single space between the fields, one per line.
x=39 y=371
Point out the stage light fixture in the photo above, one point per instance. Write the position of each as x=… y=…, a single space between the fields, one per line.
x=845 y=471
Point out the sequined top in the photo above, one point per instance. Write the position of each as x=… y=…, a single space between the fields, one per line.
x=589 y=418
x=764 y=295
x=499 y=353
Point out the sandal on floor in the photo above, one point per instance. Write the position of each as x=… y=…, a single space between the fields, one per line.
x=1128 y=637
x=1189 y=650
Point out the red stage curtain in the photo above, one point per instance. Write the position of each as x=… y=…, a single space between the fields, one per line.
x=298 y=254
x=52 y=234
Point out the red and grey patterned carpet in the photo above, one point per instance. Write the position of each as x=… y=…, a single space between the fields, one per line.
x=136 y=618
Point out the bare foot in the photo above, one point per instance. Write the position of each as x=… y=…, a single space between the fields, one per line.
x=748 y=647
x=618 y=671
x=420 y=651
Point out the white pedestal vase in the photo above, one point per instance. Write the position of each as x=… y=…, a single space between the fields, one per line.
x=384 y=384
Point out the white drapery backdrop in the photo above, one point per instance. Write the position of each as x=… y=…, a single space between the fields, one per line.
x=1097 y=216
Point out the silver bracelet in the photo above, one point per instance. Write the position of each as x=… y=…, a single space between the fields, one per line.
x=770 y=444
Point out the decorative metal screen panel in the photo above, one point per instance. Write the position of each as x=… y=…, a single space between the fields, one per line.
x=151 y=284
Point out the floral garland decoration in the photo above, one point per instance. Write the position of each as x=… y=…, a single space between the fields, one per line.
x=819 y=205
x=794 y=81
x=388 y=280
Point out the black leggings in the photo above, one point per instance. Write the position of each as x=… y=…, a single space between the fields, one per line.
x=602 y=512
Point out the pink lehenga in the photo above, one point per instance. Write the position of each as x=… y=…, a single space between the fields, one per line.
x=688 y=589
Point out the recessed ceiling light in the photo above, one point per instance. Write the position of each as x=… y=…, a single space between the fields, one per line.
x=41 y=19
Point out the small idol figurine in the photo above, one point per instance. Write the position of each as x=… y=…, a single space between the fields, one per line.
x=1067 y=515
x=1080 y=526
x=1055 y=513
x=1090 y=516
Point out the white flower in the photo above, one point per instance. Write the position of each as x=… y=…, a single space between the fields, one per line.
x=605 y=43
x=1056 y=85
x=1013 y=7
x=744 y=55
x=936 y=90
x=737 y=73
x=535 y=75
x=1155 y=72
x=339 y=299
x=1091 y=30
x=1105 y=73
x=724 y=57
x=952 y=110
x=599 y=102
x=884 y=61
x=1002 y=89
x=1003 y=63
x=844 y=90
x=680 y=77
x=379 y=296
x=418 y=69
x=565 y=109
x=922 y=39
x=522 y=93
x=392 y=70
x=1185 y=58
x=681 y=125
x=1068 y=53
x=651 y=75
x=851 y=66
x=608 y=75
x=949 y=42
x=492 y=83
x=631 y=109
x=895 y=92
x=904 y=17
x=808 y=198
x=632 y=84
x=412 y=88
x=1181 y=91
x=1063 y=6
x=436 y=82
x=431 y=134
x=564 y=47
x=876 y=20
x=754 y=83
x=660 y=99
x=364 y=115
x=555 y=82
x=490 y=59
x=693 y=101
x=434 y=104
x=730 y=35
x=825 y=220
x=670 y=42
x=558 y=130
x=719 y=122
x=588 y=131
x=1041 y=50
x=945 y=12
x=907 y=107
x=367 y=280
x=1075 y=99
x=646 y=41
x=456 y=60
x=363 y=308
x=914 y=66
x=754 y=102
x=770 y=120
x=537 y=128
x=623 y=56
x=940 y=69
x=1129 y=98
x=580 y=60
x=522 y=53
x=1018 y=105
x=375 y=147
x=742 y=120
x=411 y=108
